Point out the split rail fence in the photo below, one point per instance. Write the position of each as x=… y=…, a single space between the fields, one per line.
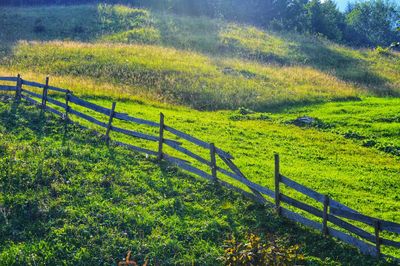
x=332 y=211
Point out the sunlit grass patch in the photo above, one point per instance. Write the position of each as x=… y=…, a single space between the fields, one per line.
x=183 y=77
x=209 y=63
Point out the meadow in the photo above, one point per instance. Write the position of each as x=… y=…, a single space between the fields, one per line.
x=235 y=85
x=68 y=198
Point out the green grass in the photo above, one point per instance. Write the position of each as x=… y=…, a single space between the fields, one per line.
x=182 y=77
x=322 y=159
x=379 y=129
x=199 y=72
x=69 y=199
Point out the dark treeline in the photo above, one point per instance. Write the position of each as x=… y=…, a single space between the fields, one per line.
x=369 y=23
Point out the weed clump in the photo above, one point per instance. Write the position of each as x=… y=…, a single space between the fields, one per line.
x=257 y=251
x=247 y=114
x=307 y=121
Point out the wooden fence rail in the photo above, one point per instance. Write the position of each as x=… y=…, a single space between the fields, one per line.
x=332 y=212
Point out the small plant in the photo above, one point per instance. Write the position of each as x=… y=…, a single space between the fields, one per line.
x=307 y=121
x=245 y=111
x=256 y=251
x=382 y=51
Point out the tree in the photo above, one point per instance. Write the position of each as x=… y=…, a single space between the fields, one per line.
x=372 y=23
x=325 y=18
x=396 y=44
x=290 y=15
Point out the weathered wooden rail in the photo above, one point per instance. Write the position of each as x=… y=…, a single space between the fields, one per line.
x=332 y=211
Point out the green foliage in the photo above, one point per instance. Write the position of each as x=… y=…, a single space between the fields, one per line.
x=257 y=251
x=325 y=19
x=228 y=66
x=292 y=16
x=315 y=16
x=371 y=23
x=118 y=18
x=383 y=51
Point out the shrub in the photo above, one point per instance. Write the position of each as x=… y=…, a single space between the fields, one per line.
x=256 y=251
x=382 y=51
x=245 y=111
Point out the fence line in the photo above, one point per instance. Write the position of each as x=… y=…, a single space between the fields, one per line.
x=332 y=211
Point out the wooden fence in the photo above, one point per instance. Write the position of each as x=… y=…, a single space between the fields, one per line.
x=331 y=211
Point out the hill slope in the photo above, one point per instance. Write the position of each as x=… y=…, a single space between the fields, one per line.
x=68 y=198
x=210 y=64
x=153 y=62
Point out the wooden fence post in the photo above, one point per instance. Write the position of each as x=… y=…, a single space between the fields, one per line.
x=19 y=87
x=161 y=137
x=44 y=95
x=213 y=161
x=325 y=216
x=67 y=105
x=377 y=226
x=110 y=121
x=277 y=180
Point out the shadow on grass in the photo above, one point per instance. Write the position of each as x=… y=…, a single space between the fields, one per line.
x=284 y=107
x=263 y=220
x=35 y=118
x=349 y=69
x=319 y=55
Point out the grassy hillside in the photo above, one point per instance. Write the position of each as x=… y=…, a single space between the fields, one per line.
x=247 y=85
x=319 y=157
x=209 y=64
x=67 y=198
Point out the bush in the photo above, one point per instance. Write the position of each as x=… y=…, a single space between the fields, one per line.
x=256 y=251
x=382 y=51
